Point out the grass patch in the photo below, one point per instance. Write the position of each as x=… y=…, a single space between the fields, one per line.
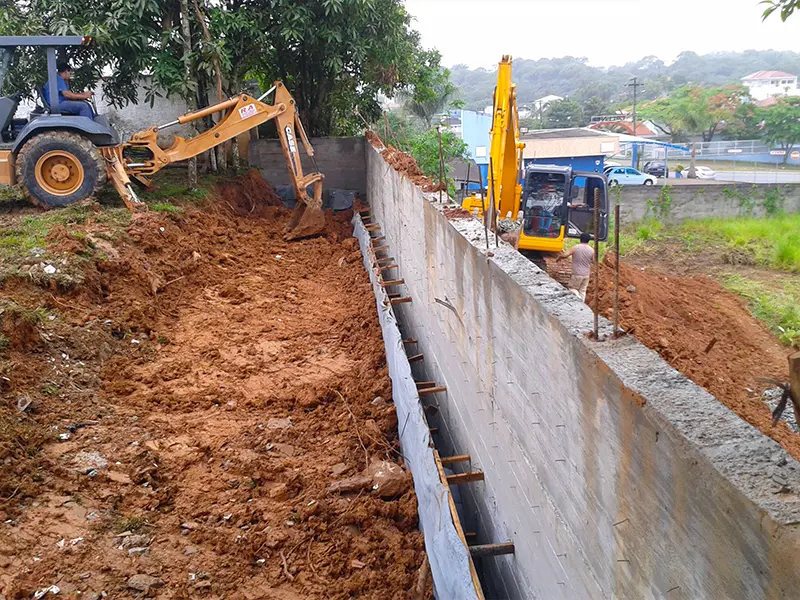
x=30 y=231
x=166 y=207
x=778 y=309
x=773 y=242
x=130 y=524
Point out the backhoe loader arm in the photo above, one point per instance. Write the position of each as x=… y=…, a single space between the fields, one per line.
x=244 y=113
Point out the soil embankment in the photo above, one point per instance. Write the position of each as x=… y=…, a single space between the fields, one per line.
x=190 y=404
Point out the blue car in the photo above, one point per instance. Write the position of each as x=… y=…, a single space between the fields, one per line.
x=628 y=176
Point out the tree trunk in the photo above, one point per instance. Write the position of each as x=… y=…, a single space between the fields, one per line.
x=191 y=100
x=692 y=172
x=221 y=150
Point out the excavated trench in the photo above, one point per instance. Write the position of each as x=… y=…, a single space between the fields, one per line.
x=207 y=410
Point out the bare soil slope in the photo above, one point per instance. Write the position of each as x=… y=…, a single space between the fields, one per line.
x=190 y=403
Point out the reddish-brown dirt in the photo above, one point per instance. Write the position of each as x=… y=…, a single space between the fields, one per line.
x=403 y=163
x=679 y=316
x=190 y=405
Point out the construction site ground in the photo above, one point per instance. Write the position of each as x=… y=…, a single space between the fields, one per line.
x=193 y=407
x=692 y=300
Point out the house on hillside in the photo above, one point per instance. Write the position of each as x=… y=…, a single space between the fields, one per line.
x=768 y=84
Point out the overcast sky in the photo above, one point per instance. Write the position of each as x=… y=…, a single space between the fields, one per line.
x=607 y=32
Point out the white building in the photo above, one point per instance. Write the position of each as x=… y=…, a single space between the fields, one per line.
x=768 y=84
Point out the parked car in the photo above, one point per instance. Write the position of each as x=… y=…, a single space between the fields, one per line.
x=655 y=168
x=705 y=173
x=628 y=176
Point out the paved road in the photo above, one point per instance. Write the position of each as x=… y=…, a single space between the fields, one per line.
x=760 y=176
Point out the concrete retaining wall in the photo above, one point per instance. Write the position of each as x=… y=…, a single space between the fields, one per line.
x=711 y=200
x=340 y=159
x=614 y=475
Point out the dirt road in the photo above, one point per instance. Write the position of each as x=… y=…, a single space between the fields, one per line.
x=192 y=402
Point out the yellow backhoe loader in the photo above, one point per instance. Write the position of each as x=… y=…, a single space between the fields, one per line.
x=555 y=202
x=60 y=158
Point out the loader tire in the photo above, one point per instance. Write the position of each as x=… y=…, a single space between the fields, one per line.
x=59 y=168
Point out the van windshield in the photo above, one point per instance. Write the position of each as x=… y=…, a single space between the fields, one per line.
x=542 y=202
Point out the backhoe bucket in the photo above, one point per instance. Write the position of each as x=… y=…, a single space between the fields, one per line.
x=308 y=218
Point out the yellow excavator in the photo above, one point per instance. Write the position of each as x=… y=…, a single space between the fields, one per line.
x=548 y=203
x=60 y=158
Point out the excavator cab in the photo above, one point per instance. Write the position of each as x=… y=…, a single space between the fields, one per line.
x=559 y=203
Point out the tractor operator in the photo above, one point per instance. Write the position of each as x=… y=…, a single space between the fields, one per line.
x=69 y=102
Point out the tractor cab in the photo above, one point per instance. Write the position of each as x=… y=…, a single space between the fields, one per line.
x=559 y=203
x=15 y=129
x=56 y=158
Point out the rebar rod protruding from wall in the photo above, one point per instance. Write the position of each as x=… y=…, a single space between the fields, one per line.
x=616 y=268
x=596 y=263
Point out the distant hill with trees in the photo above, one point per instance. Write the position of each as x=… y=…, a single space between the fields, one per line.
x=599 y=89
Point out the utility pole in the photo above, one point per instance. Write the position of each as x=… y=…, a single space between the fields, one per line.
x=635 y=85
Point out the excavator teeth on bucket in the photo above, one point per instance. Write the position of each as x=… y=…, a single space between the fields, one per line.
x=305 y=222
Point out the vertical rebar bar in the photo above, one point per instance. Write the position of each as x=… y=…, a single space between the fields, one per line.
x=596 y=263
x=441 y=163
x=616 y=268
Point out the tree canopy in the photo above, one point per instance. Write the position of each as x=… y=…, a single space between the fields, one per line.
x=335 y=56
x=781 y=124
x=784 y=7
x=574 y=78
x=693 y=110
x=563 y=113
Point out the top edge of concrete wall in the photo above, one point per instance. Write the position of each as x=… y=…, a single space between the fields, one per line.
x=754 y=464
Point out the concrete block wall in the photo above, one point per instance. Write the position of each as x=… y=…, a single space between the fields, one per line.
x=340 y=159
x=696 y=201
x=614 y=475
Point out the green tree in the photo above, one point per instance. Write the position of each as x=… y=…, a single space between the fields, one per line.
x=336 y=56
x=425 y=150
x=782 y=124
x=786 y=7
x=563 y=113
x=746 y=122
x=693 y=110
x=594 y=106
x=431 y=92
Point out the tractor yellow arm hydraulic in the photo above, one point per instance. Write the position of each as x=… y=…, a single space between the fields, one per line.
x=243 y=114
x=505 y=148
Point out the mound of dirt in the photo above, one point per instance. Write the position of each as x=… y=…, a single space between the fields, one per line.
x=403 y=163
x=706 y=333
x=250 y=195
x=195 y=403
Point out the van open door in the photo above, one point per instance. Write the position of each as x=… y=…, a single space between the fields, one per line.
x=585 y=187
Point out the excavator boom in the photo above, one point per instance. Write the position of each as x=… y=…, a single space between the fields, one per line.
x=243 y=114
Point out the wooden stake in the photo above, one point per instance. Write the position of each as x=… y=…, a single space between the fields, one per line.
x=459 y=530
x=380 y=248
x=491 y=549
x=387 y=267
x=465 y=477
x=425 y=384
x=416 y=357
x=409 y=340
x=449 y=460
x=377 y=238
x=387 y=259
x=794 y=382
x=401 y=300
x=432 y=390
x=392 y=282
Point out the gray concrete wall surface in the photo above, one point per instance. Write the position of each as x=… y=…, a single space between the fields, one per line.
x=679 y=203
x=613 y=474
x=341 y=160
